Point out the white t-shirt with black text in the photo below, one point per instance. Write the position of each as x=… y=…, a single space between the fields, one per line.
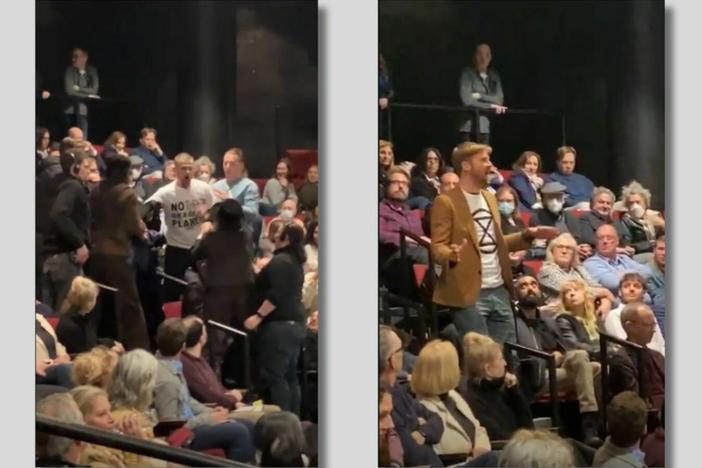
x=487 y=240
x=180 y=207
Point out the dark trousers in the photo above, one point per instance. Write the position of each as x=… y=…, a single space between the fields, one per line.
x=57 y=375
x=233 y=437
x=117 y=272
x=58 y=272
x=227 y=305
x=77 y=120
x=279 y=344
x=176 y=261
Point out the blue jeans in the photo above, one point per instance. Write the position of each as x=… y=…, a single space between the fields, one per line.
x=57 y=375
x=232 y=437
x=491 y=315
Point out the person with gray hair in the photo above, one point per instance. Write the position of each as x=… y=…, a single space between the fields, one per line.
x=643 y=223
x=279 y=440
x=133 y=381
x=54 y=450
x=601 y=207
x=536 y=449
x=205 y=169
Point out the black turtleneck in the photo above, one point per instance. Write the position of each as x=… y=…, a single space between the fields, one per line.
x=78 y=333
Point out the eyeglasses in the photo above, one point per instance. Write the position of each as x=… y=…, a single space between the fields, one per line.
x=398 y=182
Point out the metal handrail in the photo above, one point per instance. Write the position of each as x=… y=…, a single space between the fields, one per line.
x=247 y=347
x=147 y=448
x=160 y=272
x=431 y=280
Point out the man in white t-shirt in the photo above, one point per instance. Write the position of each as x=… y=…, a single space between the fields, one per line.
x=467 y=241
x=632 y=288
x=185 y=202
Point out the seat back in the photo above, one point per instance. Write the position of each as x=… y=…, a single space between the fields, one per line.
x=173 y=309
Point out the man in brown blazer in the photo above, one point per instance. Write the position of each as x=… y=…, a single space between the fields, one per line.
x=467 y=241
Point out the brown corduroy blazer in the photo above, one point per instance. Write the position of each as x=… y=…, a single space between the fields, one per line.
x=451 y=223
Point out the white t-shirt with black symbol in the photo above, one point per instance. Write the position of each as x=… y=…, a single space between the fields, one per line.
x=487 y=240
x=183 y=209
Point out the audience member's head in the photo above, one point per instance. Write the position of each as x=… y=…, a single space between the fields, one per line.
x=196 y=332
x=79 y=58
x=55 y=149
x=632 y=288
x=81 y=297
x=78 y=164
x=430 y=162
x=397 y=188
x=607 y=241
x=384 y=407
x=482 y=55
x=553 y=196
x=482 y=358
x=565 y=160
x=636 y=198
x=204 y=168
x=233 y=164
x=275 y=228
x=507 y=202
x=626 y=419
x=283 y=169
x=536 y=449
x=147 y=138
x=575 y=300
x=76 y=134
x=117 y=140
x=436 y=370
x=170 y=337
x=386 y=156
x=185 y=169
x=288 y=209
x=94 y=367
x=229 y=215
x=449 y=180
x=602 y=202
x=118 y=168
x=529 y=162
x=94 y=405
x=472 y=161
x=659 y=253
x=293 y=238
x=528 y=292
x=638 y=322
x=60 y=406
x=313 y=234
x=562 y=251
x=279 y=440
x=313 y=174
x=390 y=353
x=43 y=139
x=134 y=381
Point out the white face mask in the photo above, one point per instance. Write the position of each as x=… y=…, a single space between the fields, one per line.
x=636 y=210
x=136 y=173
x=205 y=177
x=554 y=205
x=287 y=214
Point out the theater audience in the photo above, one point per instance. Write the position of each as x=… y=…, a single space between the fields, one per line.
x=95 y=367
x=607 y=266
x=656 y=282
x=601 y=206
x=526 y=180
x=578 y=187
x=574 y=370
x=307 y=194
x=116 y=143
x=631 y=289
x=537 y=449
x=626 y=424
x=639 y=324
x=493 y=395
x=205 y=169
x=288 y=214
x=278 y=188
x=643 y=223
x=426 y=176
x=52 y=361
x=577 y=321
x=172 y=400
x=510 y=221
x=553 y=214
x=55 y=450
x=279 y=440
x=43 y=140
x=75 y=329
x=150 y=151
x=136 y=182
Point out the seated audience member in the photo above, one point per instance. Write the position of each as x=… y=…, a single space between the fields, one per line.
x=80 y=143
x=656 y=282
x=577 y=320
x=386 y=160
x=55 y=450
x=389 y=444
x=511 y=222
x=578 y=187
x=643 y=223
x=211 y=427
x=312 y=247
x=631 y=289
x=526 y=181
x=52 y=361
x=205 y=169
x=536 y=449
x=435 y=375
x=150 y=151
x=492 y=393
x=43 y=140
x=426 y=177
x=76 y=329
x=574 y=370
x=449 y=180
x=638 y=322
x=278 y=188
x=308 y=191
x=562 y=264
x=608 y=266
x=116 y=143
x=95 y=367
x=418 y=428
x=279 y=440
x=653 y=444
x=601 y=206
x=288 y=213
x=553 y=214
x=626 y=424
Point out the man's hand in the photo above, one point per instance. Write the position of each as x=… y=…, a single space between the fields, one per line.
x=498 y=108
x=628 y=250
x=82 y=254
x=510 y=380
x=236 y=394
x=543 y=232
x=118 y=347
x=219 y=415
x=425 y=239
x=42 y=365
x=383 y=103
x=157 y=149
x=45 y=94
x=604 y=308
x=62 y=359
x=584 y=250
x=559 y=357
x=419 y=438
x=252 y=322
x=456 y=249
x=221 y=195
x=475 y=95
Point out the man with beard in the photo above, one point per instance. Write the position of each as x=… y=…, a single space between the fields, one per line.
x=574 y=370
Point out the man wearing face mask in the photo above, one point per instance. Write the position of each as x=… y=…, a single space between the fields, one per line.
x=553 y=196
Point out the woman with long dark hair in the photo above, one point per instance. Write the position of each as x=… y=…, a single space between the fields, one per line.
x=426 y=174
x=280 y=319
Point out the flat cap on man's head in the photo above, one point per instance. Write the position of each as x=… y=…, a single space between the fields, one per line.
x=552 y=188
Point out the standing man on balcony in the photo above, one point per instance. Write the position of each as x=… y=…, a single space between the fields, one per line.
x=80 y=81
x=480 y=88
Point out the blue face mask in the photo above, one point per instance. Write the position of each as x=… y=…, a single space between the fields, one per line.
x=506 y=208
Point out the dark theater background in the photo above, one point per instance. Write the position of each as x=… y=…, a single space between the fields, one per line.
x=207 y=75
x=599 y=64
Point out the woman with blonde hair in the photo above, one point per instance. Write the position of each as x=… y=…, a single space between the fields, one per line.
x=94 y=367
x=563 y=264
x=526 y=180
x=77 y=329
x=492 y=393
x=435 y=376
x=578 y=322
x=644 y=224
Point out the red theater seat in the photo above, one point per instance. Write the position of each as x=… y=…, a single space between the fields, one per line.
x=300 y=160
x=53 y=321
x=419 y=272
x=578 y=213
x=526 y=216
x=261 y=184
x=173 y=309
x=506 y=173
x=535 y=265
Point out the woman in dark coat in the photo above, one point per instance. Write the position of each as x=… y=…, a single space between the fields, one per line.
x=426 y=174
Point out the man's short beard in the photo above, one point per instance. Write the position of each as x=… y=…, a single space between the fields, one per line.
x=531 y=300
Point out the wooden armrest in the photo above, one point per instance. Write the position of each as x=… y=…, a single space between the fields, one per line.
x=166 y=426
x=498 y=444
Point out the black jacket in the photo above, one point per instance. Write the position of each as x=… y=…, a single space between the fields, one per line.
x=575 y=335
x=501 y=410
x=281 y=283
x=543 y=217
x=77 y=334
x=639 y=236
x=421 y=187
x=589 y=223
x=228 y=259
x=69 y=217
